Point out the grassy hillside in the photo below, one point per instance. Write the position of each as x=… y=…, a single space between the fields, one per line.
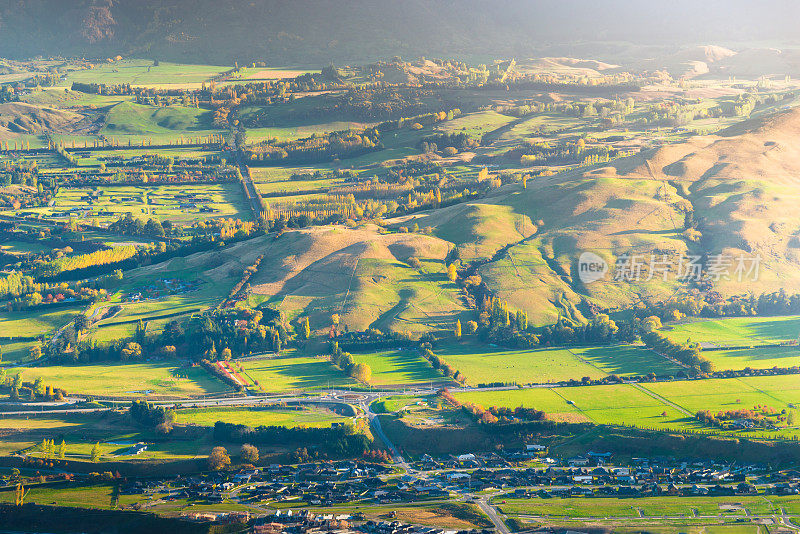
x=740 y=189
x=367 y=277
x=127 y=118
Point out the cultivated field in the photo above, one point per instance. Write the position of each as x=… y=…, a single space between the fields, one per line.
x=174 y=203
x=662 y=405
x=267 y=416
x=127 y=380
x=294 y=373
x=398 y=367
x=144 y=73
x=482 y=366
x=758 y=358
x=736 y=331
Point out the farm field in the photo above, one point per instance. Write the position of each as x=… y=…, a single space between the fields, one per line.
x=175 y=203
x=757 y=358
x=731 y=394
x=266 y=416
x=650 y=506
x=662 y=405
x=126 y=379
x=156 y=123
x=84 y=497
x=736 y=331
x=627 y=360
x=269 y=73
x=477 y=124
x=144 y=73
x=255 y=135
x=294 y=373
x=14 y=351
x=32 y=323
x=488 y=365
x=399 y=367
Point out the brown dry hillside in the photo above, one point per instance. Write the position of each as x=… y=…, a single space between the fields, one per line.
x=19 y=118
x=361 y=274
x=743 y=188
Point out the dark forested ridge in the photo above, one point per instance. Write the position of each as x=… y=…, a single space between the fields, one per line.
x=306 y=32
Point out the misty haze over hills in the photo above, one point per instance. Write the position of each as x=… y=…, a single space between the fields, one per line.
x=309 y=32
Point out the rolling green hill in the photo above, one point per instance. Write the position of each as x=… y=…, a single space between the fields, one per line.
x=127 y=118
x=740 y=189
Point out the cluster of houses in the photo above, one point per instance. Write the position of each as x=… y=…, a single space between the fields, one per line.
x=163 y=287
x=306 y=522
x=435 y=479
x=593 y=474
x=317 y=483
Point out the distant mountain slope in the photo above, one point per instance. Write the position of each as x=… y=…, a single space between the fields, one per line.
x=317 y=31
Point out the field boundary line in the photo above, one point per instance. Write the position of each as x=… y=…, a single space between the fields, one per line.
x=765 y=393
x=661 y=399
x=571 y=403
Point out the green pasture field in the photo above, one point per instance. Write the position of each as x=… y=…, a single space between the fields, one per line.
x=161 y=202
x=290 y=133
x=288 y=186
x=398 y=367
x=483 y=365
x=475 y=124
x=731 y=394
x=600 y=507
x=24 y=140
x=626 y=360
x=22 y=247
x=81 y=497
x=14 y=351
x=736 y=331
x=143 y=72
x=113 y=431
x=393 y=404
x=108 y=331
x=758 y=358
x=126 y=379
x=645 y=405
x=247 y=74
x=36 y=322
x=612 y=404
x=266 y=416
x=294 y=373
x=544 y=122
x=128 y=118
